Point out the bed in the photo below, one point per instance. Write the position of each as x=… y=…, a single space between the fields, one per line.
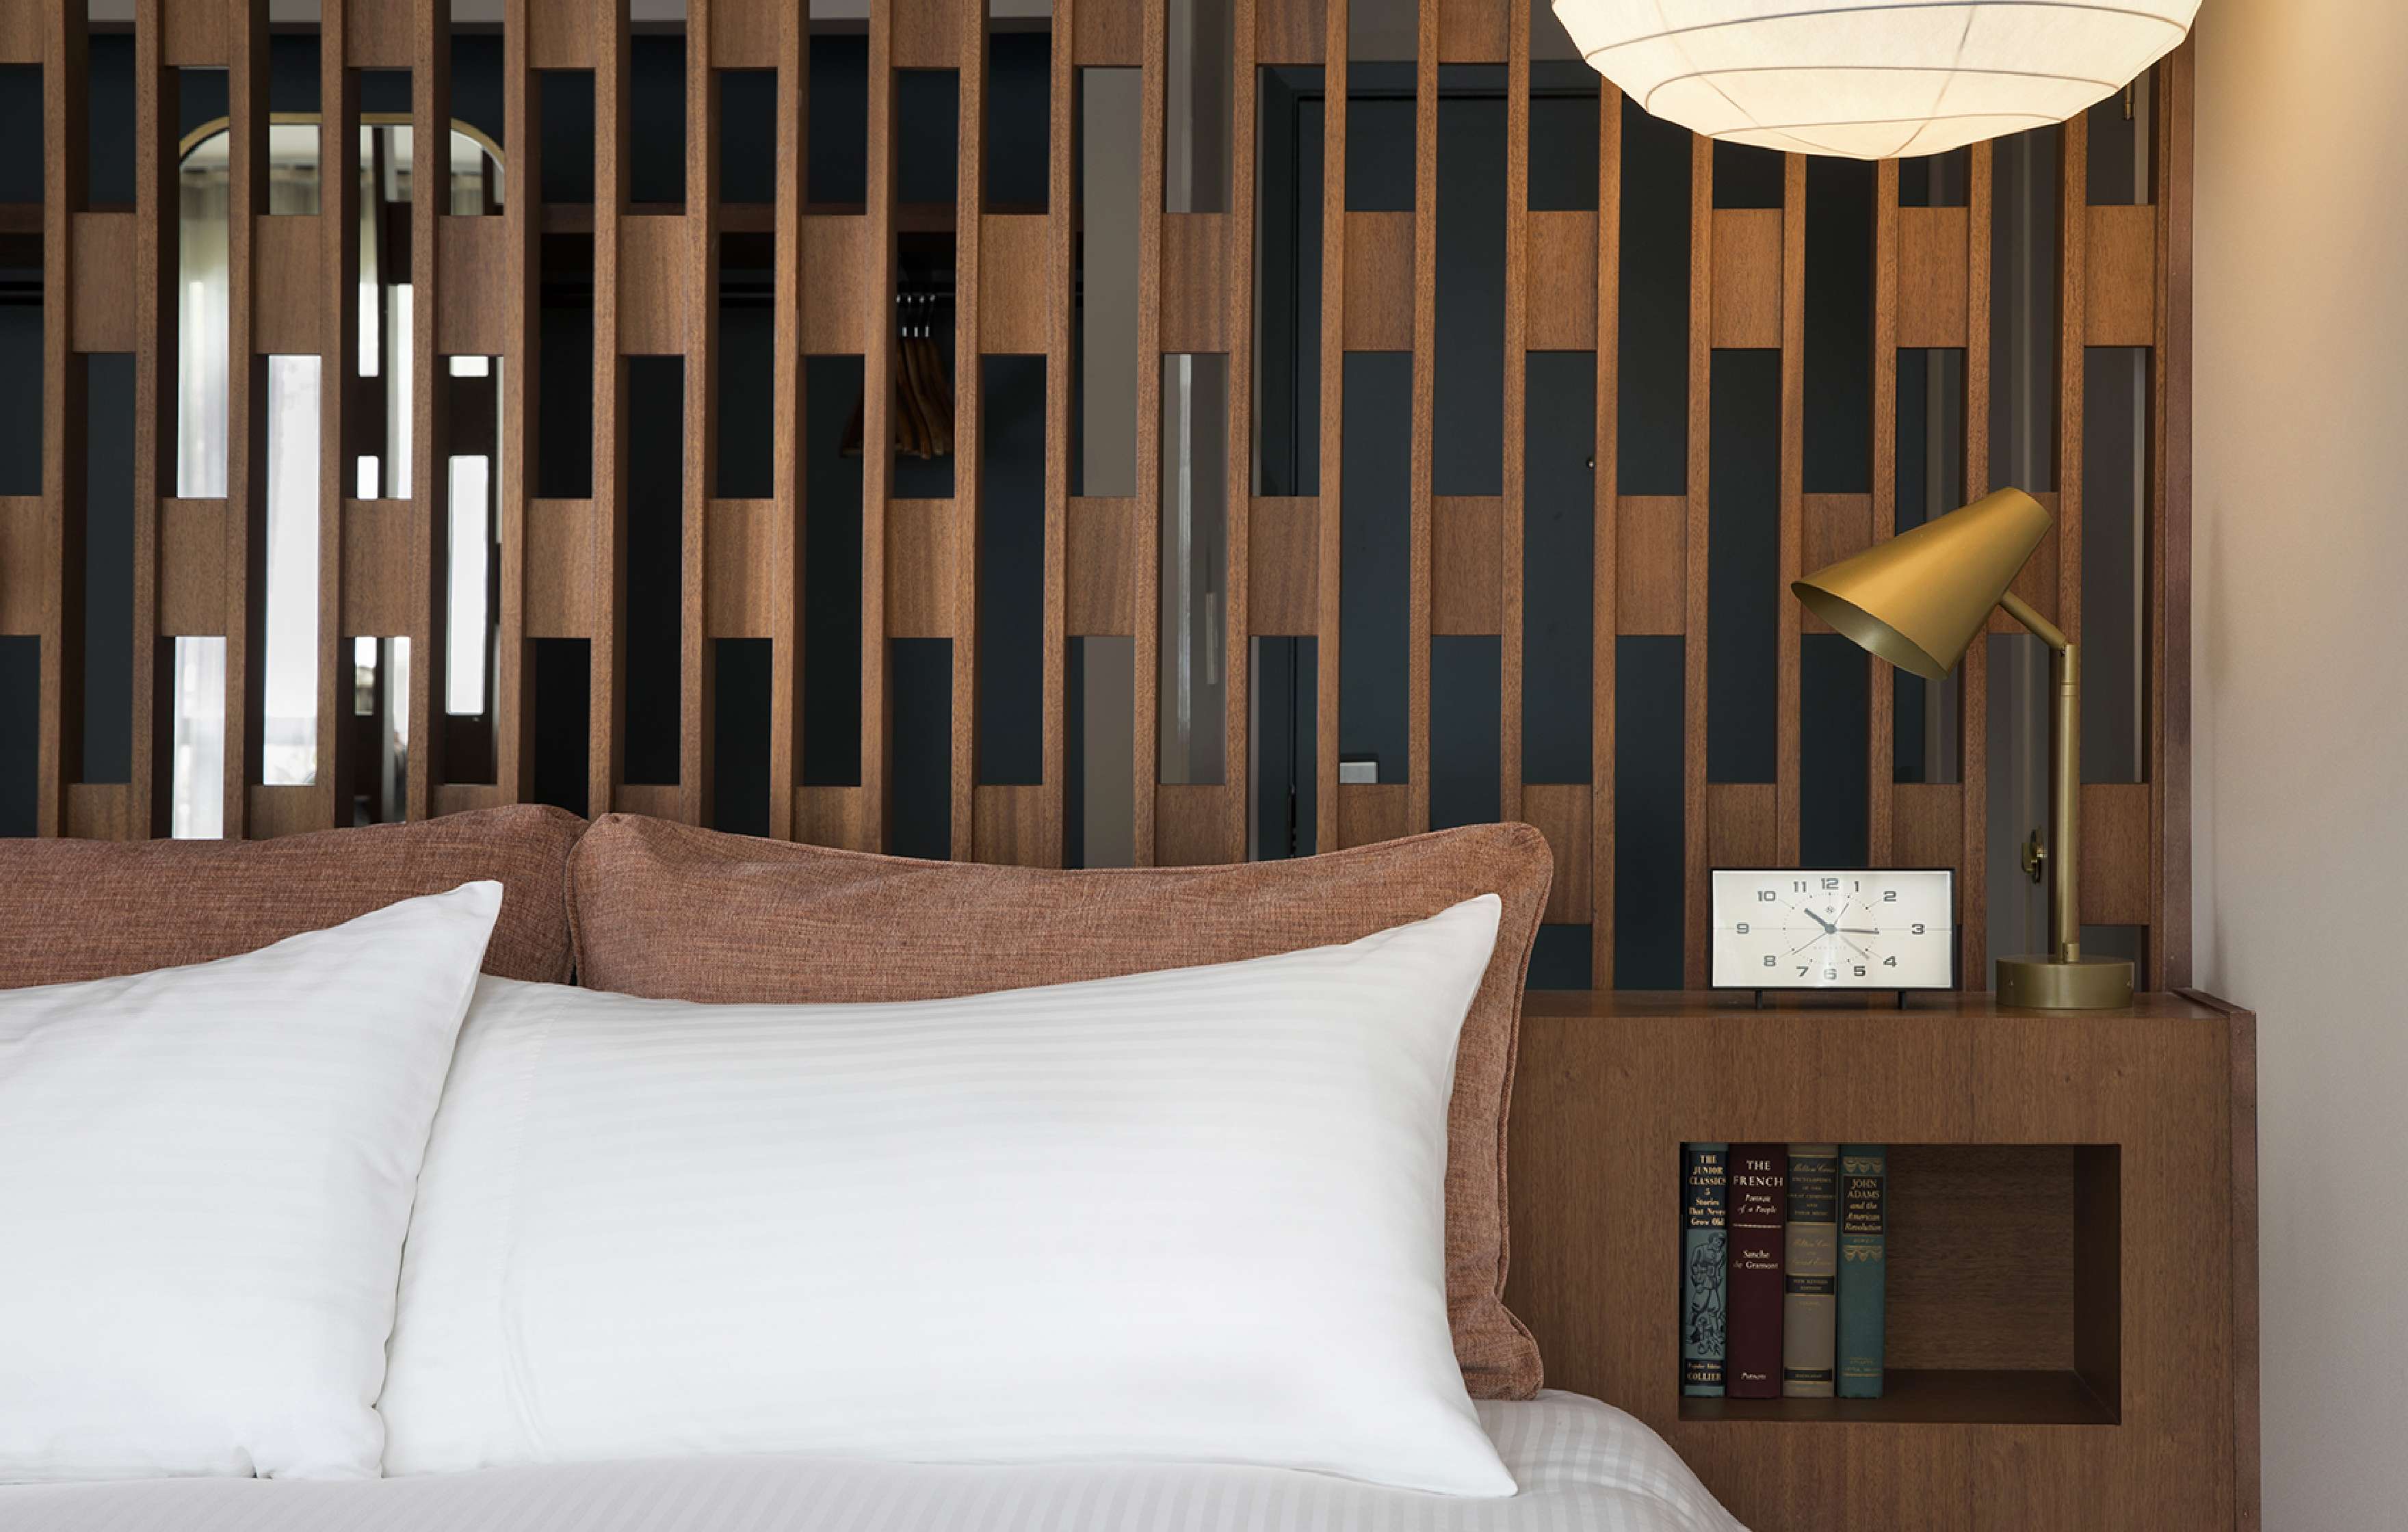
x=1582 y=1465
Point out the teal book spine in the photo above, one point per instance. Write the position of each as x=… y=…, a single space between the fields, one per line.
x=1705 y=1239
x=1864 y=1266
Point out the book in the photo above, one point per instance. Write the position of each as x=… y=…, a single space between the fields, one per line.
x=1759 y=1207
x=1810 y=1289
x=1704 y=1256
x=1864 y=1267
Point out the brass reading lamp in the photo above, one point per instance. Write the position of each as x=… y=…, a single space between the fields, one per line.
x=1917 y=601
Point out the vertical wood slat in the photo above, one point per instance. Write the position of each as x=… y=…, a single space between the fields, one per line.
x=430 y=468
x=522 y=120
x=1239 y=476
x=1331 y=504
x=696 y=673
x=1512 y=512
x=2073 y=292
x=2073 y=231
x=1973 y=687
x=2169 y=540
x=1605 y=624
x=1693 y=733
x=59 y=729
x=1787 y=683
x=878 y=427
x=970 y=437
x=339 y=256
x=1061 y=275
x=1146 y=546
x=1881 y=682
x=1425 y=408
x=606 y=695
x=157 y=229
x=246 y=482
x=788 y=418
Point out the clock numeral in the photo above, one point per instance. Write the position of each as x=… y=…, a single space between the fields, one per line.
x=1765 y=895
x=1798 y=887
x=1742 y=928
x=1831 y=882
x=1918 y=928
x=1861 y=971
x=1889 y=896
x=1804 y=968
x=1889 y=963
x=1768 y=960
x=1830 y=973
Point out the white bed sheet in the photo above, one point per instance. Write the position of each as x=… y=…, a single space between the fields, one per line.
x=1582 y=1465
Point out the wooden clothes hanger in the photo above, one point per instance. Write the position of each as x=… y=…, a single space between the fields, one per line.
x=922 y=416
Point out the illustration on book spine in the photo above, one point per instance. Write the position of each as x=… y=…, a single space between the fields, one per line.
x=1864 y=1267
x=1704 y=1252
x=1811 y=1267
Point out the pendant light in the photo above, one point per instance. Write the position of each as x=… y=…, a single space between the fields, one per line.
x=1870 y=78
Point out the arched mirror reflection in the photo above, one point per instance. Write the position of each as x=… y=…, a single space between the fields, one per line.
x=377 y=445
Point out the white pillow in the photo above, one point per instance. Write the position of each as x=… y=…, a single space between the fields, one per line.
x=205 y=1178
x=1194 y=1215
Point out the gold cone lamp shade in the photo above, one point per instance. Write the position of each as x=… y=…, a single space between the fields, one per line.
x=1918 y=599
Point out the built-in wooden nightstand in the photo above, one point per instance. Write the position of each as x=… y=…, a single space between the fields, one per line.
x=2073 y=1300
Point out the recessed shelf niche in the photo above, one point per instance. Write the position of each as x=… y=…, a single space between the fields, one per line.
x=2003 y=1305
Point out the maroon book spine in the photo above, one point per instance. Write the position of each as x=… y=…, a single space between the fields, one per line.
x=1759 y=1206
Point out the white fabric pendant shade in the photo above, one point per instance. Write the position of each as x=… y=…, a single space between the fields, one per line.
x=1870 y=78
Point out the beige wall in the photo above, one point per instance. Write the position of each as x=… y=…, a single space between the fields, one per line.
x=2301 y=691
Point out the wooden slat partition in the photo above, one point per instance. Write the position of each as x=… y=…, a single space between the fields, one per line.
x=246 y=521
x=430 y=468
x=1607 y=562
x=522 y=225
x=968 y=41
x=1330 y=504
x=1146 y=616
x=1973 y=705
x=605 y=30
x=156 y=240
x=199 y=565
x=1693 y=808
x=1424 y=421
x=793 y=44
x=59 y=577
x=338 y=299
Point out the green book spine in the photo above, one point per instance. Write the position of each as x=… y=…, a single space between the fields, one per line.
x=1809 y=1272
x=1864 y=1267
x=1705 y=1187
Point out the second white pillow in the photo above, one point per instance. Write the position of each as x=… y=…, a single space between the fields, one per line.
x=1193 y=1215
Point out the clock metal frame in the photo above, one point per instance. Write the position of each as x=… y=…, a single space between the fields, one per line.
x=1955 y=930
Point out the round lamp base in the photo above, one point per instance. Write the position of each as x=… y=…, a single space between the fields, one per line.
x=2045 y=983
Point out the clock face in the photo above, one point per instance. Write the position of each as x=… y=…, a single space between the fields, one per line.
x=1874 y=929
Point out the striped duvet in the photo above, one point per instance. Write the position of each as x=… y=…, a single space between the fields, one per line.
x=1582 y=1465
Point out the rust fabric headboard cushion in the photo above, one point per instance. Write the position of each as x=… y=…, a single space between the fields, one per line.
x=670 y=911
x=77 y=909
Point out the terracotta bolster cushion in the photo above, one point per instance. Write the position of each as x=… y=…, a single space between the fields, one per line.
x=665 y=909
x=78 y=910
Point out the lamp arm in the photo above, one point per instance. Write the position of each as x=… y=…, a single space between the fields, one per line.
x=2064 y=779
x=2048 y=632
